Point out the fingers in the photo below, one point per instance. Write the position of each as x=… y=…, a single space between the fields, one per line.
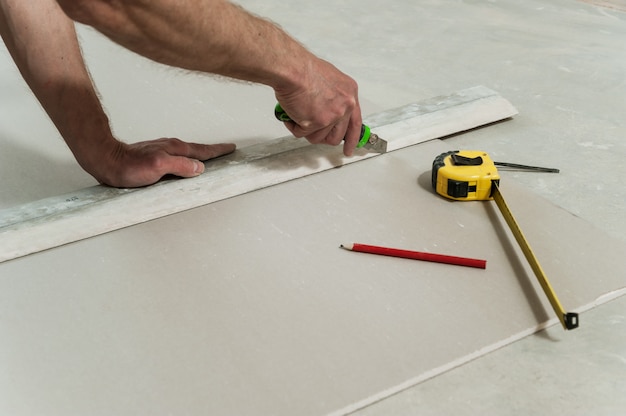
x=347 y=129
x=206 y=152
x=144 y=163
x=183 y=159
x=179 y=166
x=332 y=135
x=177 y=147
x=353 y=135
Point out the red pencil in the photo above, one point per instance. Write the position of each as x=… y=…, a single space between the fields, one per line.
x=416 y=255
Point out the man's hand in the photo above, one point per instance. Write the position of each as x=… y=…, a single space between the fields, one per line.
x=325 y=108
x=144 y=163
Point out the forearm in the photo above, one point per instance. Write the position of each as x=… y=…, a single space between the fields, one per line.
x=43 y=43
x=212 y=36
x=219 y=37
x=42 y=40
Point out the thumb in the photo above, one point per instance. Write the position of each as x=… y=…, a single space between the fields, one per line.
x=182 y=166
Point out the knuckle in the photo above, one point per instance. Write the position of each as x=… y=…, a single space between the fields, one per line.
x=154 y=161
x=177 y=145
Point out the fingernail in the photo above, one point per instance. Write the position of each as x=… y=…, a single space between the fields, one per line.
x=198 y=168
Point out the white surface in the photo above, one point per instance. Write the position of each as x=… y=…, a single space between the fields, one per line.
x=559 y=63
x=255 y=306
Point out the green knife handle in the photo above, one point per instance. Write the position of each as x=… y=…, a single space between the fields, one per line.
x=281 y=115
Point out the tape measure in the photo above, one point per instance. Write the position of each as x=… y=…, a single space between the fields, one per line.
x=470 y=175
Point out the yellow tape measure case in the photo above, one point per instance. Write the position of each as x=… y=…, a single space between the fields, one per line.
x=464 y=175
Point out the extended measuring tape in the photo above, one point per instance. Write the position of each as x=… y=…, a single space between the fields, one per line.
x=470 y=175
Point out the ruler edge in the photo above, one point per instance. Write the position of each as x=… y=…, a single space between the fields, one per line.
x=28 y=237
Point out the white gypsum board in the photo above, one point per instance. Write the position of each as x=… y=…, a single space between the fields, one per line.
x=92 y=211
x=248 y=306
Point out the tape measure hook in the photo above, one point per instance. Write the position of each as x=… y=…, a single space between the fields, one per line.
x=571 y=320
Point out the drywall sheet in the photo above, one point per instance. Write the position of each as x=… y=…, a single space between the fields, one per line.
x=248 y=306
x=54 y=221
